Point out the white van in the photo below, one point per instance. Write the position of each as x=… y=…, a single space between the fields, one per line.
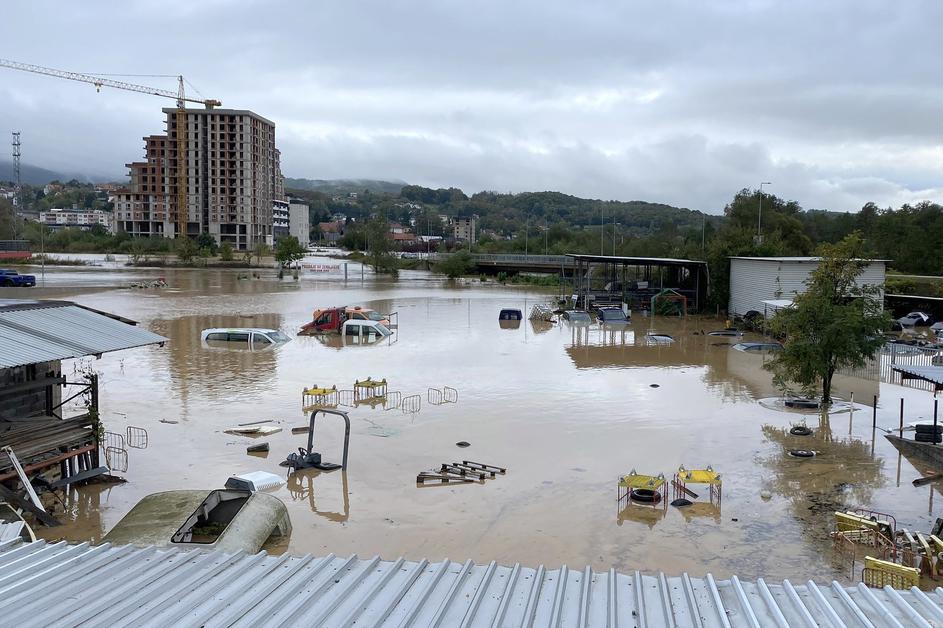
x=363 y=332
x=243 y=337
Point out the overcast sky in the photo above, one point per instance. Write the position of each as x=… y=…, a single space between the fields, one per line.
x=835 y=103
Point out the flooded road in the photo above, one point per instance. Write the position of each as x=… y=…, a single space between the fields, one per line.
x=566 y=410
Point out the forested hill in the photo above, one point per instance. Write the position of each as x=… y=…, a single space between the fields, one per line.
x=344 y=186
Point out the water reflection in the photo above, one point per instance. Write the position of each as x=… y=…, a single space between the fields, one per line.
x=233 y=372
x=301 y=488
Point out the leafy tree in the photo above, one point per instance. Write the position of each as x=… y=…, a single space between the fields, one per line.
x=225 y=252
x=836 y=323
x=379 y=244
x=260 y=250
x=456 y=265
x=186 y=249
x=206 y=241
x=288 y=250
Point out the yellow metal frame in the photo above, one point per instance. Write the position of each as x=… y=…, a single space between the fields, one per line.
x=635 y=480
x=706 y=476
x=315 y=397
x=880 y=573
x=368 y=389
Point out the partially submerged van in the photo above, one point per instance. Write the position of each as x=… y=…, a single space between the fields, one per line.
x=243 y=337
x=363 y=332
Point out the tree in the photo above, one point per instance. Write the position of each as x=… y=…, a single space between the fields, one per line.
x=225 y=252
x=379 y=244
x=186 y=250
x=456 y=265
x=206 y=241
x=288 y=249
x=260 y=250
x=836 y=323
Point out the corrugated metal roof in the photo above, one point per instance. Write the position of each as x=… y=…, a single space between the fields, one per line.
x=65 y=585
x=932 y=374
x=799 y=259
x=40 y=332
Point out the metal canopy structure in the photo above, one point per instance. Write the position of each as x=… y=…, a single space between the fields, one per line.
x=635 y=280
x=43 y=331
x=109 y=586
x=930 y=374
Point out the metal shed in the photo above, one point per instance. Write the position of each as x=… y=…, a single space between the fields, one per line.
x=754 y=280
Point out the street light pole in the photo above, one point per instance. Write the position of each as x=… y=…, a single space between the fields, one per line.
x=602 y=229
x=759 y=215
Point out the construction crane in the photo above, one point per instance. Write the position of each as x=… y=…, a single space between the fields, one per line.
x=180 y=118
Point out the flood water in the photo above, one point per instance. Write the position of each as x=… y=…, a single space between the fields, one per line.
x=566 y=410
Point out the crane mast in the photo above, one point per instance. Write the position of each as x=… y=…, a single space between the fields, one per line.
x=180 y=118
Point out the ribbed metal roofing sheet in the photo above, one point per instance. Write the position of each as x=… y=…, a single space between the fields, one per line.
x=63 y=330
x=66 y=585
x=932 y=374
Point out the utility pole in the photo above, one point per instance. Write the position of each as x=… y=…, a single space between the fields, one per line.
x=759 y=215
x=526 y=229
x=602 y=229
x=17 y=193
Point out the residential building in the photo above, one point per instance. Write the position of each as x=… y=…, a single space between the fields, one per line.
x=84 y=219
x=280 y=219
x=331 y=232
x=233 y=175
x=765 y=284
x=299 y=221
x=465 y=229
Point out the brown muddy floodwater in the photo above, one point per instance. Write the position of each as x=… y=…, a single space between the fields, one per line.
x=565 y=410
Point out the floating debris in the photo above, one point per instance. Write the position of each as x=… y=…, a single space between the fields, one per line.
x=801 y=453
x=463 y=443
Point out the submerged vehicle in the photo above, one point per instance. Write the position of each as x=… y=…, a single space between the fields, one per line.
x=915 y=319
x=510 y=315
x=757 y=346
x=332 y=319
x=577 y=317
x=225 y=519
x=361 y=332
x=243 y=337
x=612 y=315
x=13 y=279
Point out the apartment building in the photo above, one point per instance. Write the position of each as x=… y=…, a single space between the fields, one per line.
x=55 y=219
x=280 y=219
x=233 y=176
x=465 y=229
x=300 y=221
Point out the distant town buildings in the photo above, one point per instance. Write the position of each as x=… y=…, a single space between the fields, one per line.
x=233 y=177
x=331 y=232
x=299 y=221
x=465 y=229
x=85 y=219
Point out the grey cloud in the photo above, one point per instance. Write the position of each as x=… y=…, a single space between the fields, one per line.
x=682 y=102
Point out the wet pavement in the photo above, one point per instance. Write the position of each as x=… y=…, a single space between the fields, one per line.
x=567 y=410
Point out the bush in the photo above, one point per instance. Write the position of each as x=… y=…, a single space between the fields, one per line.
x=225 y=252
x=455 y=265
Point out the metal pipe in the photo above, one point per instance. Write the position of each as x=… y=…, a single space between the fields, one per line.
x=874 y=413
x=901 y=434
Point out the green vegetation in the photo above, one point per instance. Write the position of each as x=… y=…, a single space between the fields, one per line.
x=288 y=250
x=834 y=324
x=455 y=265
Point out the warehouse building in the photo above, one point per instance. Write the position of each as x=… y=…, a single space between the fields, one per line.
x=763 y=284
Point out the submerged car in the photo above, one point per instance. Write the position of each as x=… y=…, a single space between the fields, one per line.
x=243 y=337
x=363 y=332
x=915 y=319
x=13 y=279
x=577 y=317
x=757 y=346
x=612 y=316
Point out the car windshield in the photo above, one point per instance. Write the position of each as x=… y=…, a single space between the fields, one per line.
x=278 y=336
x=374 y=316
x=612 y=315
x=578 y=316
x=383 y=329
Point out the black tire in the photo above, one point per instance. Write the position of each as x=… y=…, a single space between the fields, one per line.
x=923 y=428
x=928 y=438
x=645 y=495
x=801 y=453
x=800 y=430
x=807 y=404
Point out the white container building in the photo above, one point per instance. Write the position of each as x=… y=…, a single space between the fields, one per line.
x=762 y=284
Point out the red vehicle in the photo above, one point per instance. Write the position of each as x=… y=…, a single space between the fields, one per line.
x=331 y=319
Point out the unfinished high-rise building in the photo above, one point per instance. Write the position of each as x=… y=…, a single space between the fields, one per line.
x=233 y=176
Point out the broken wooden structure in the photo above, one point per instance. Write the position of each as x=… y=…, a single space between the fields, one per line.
x=466 y=471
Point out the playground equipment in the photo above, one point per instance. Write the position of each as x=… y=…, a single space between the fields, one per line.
x=706 y=476
x=315 y=397
x=643 y=490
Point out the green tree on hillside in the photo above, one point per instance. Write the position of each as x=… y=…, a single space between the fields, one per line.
x=836 y=323
x=379 y=245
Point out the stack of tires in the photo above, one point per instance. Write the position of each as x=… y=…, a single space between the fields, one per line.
x=927 y=433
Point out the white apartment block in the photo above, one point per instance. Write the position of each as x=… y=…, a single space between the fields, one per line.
x=76 y=219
